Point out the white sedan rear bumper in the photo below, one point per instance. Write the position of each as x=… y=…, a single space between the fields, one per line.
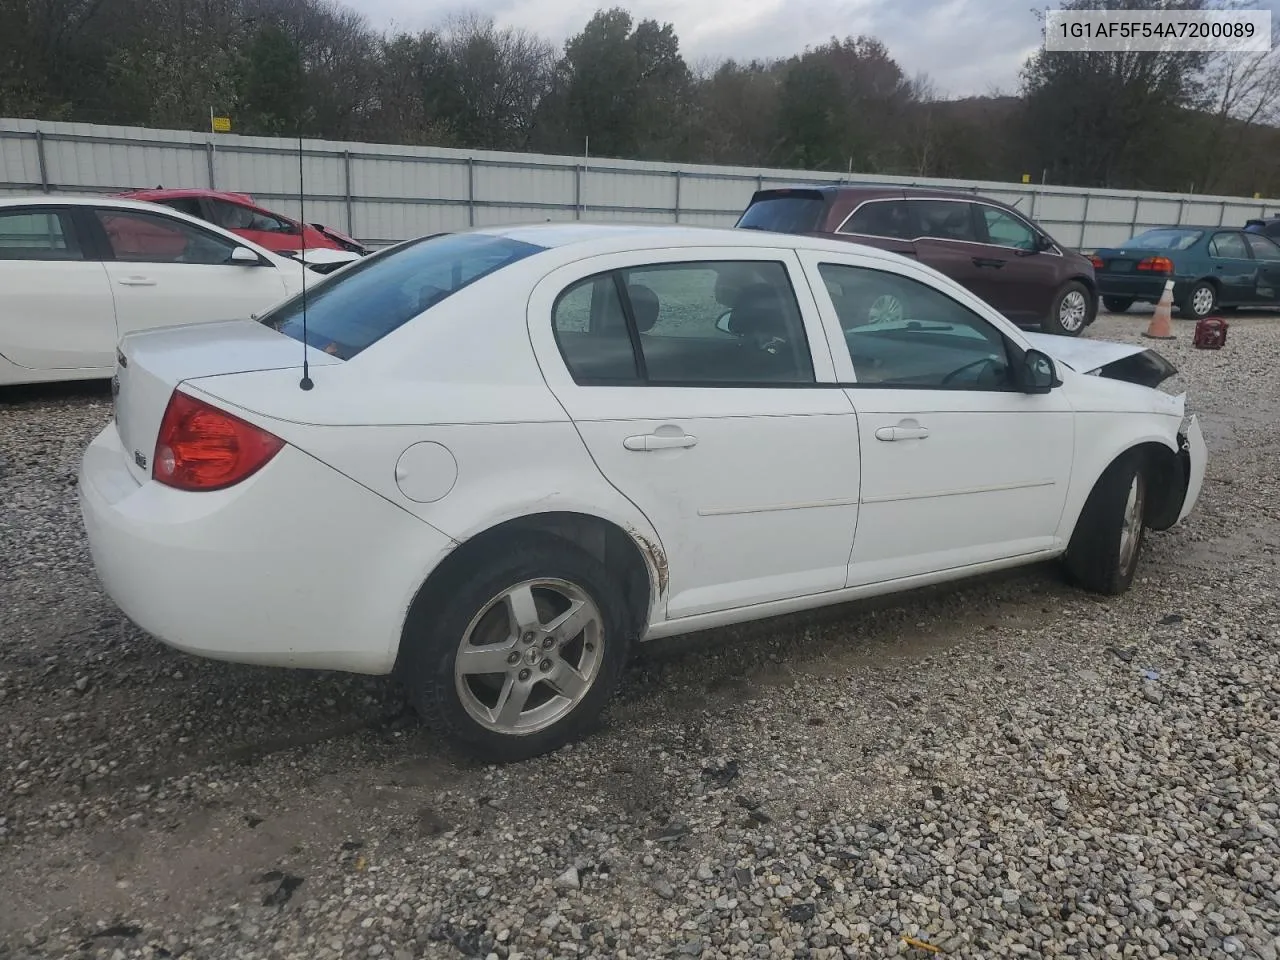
x=297 y=566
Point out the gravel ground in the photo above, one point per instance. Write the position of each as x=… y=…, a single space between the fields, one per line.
x=1004 y=768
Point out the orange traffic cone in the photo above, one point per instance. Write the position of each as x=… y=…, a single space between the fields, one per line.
x=1159 y=329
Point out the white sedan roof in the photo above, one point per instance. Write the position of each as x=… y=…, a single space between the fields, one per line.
x=608 y=237
x=74 y=200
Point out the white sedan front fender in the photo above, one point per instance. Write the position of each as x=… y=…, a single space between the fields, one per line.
x=1102 y=438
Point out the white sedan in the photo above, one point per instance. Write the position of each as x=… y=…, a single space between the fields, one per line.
x=77 y=273
x=515 y=452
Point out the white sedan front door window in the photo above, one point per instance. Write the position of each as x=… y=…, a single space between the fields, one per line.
x=166 y=271
x=694 y=387
x=959 y=466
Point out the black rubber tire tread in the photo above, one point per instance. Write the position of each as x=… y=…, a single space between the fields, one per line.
x=1093 y=556
x=431 y=640
x=1051 y=324
x=1184 y=307
x=1117 y=304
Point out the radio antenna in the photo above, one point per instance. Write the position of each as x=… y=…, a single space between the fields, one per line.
x=305 y=383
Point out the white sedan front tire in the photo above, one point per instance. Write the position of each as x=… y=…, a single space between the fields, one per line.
x=1107 y=543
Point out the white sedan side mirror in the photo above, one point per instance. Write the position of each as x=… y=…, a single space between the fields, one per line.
x=1039 y=375
x=245 y=257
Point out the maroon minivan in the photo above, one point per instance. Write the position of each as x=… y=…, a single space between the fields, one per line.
x=982 y=244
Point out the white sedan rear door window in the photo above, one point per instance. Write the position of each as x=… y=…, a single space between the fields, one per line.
x=705 y=322
x=37 y=235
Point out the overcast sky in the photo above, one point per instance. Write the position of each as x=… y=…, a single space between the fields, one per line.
x=968 y=47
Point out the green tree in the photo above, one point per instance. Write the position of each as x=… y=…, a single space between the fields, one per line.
x=53 y=56
x=414 y=91
x=271 y=93
x=737 y=114
x=811 y=111
x=627 y=89
x=842 y=104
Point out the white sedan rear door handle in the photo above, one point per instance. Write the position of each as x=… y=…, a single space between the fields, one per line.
x=657 y=441
x=136 y=282
x=902 y=433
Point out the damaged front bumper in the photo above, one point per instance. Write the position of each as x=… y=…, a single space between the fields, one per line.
x=1194 y=456
x=1106 y=358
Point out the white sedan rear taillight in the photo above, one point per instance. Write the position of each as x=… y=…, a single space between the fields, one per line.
x=200 y=447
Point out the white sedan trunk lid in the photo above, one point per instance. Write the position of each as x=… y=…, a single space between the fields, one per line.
x=151 y=363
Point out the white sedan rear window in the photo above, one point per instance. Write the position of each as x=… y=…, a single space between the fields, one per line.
x=368 y=300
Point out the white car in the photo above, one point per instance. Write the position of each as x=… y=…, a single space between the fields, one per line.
x=514 y=452
x=77 y=273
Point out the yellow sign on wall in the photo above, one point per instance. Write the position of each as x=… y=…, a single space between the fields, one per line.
x=1026 y=178
x=221 y=124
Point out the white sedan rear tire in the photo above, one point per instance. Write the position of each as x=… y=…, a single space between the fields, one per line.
x=517 y=655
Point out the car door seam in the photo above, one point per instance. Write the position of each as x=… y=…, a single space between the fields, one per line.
x=702 y=416
x=662 y=574
x=810 y=266
x=817 y=306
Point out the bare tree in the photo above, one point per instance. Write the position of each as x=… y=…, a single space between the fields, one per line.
x=1245 y=91
x=413 y=79
x=923 y=135
x=501 y=76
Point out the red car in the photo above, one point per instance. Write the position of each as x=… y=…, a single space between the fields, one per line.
x=238 y=213
x=998 y=253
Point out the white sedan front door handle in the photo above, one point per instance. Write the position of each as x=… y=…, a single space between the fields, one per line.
x=902 y=433
x=658 y=441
